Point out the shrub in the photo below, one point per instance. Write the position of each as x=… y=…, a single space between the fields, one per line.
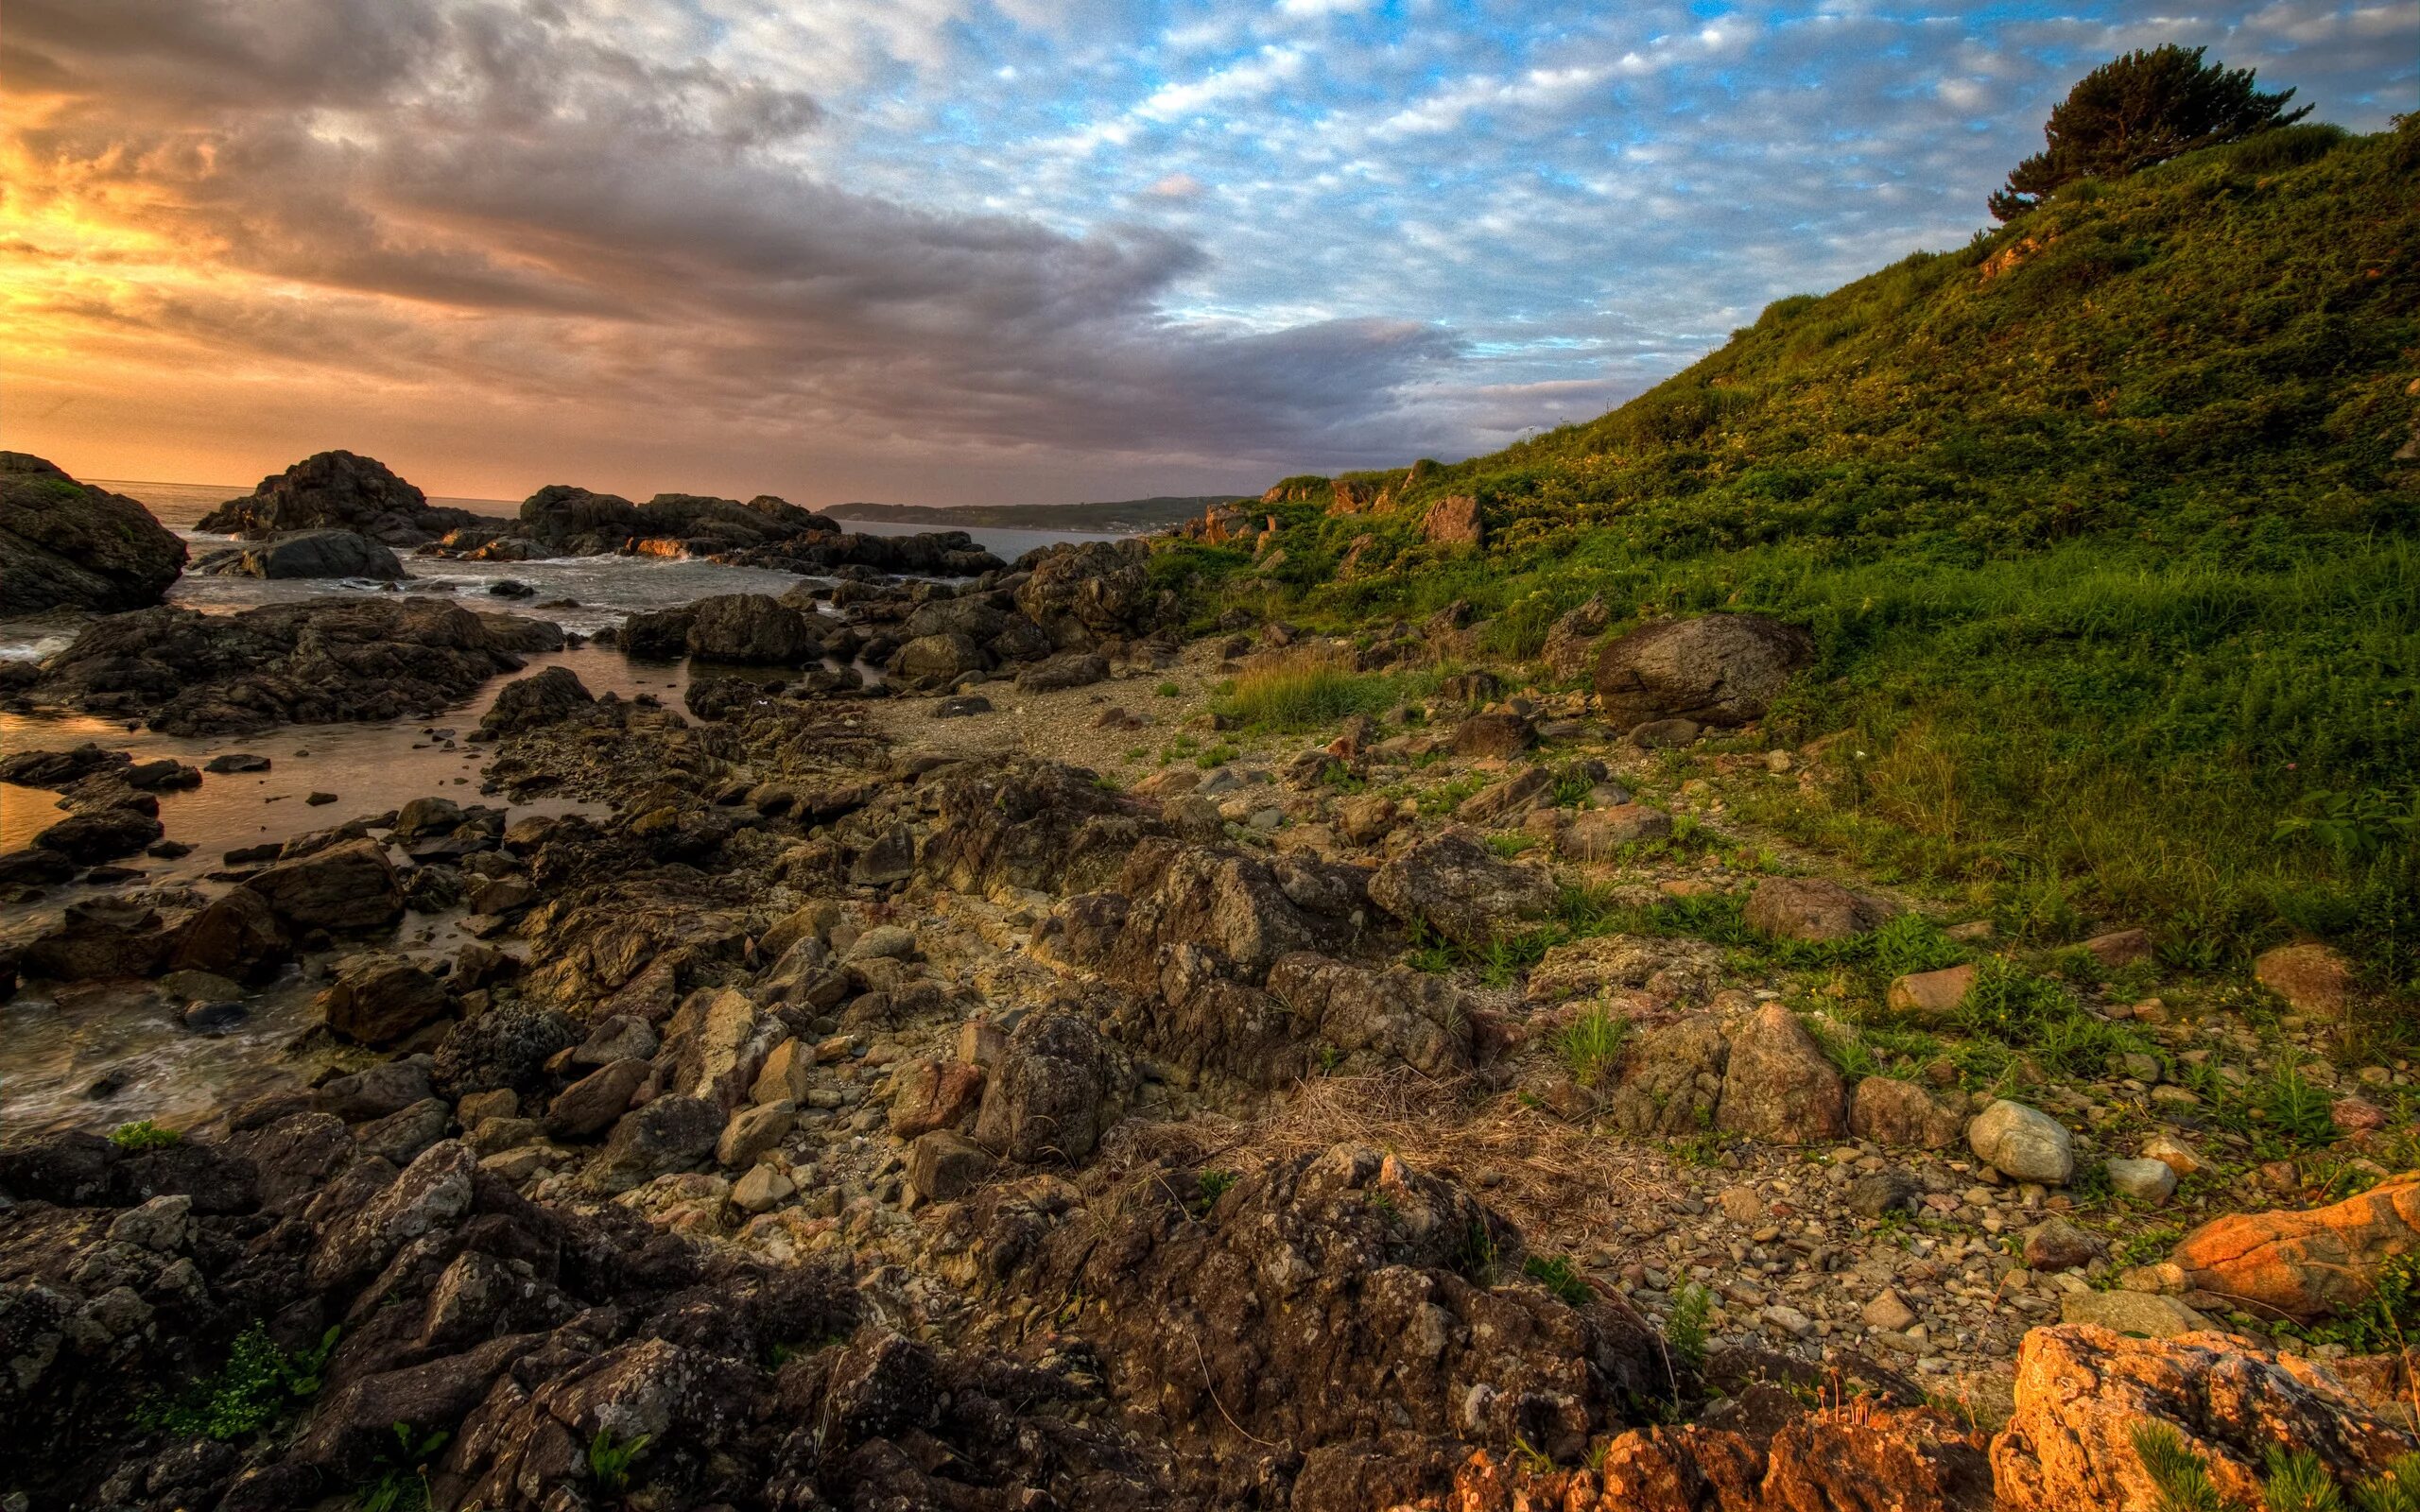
x=145 y=1135
x=1686 y=1331
x=258 y=1384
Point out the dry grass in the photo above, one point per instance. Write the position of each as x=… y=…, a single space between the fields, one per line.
x=1563 y=1188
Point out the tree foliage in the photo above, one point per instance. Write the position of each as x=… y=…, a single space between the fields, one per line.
x=2142 y=108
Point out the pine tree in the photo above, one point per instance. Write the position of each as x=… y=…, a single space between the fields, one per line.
x=2133 y=111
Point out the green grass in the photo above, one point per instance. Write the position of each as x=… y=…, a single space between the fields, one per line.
x=1559 y=1276
x=1686 y=1331
x=610 y=1461
x=1301 y=691
x=1590 y=1047
x=2095 y=528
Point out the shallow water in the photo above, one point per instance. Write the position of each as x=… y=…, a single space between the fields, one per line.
x=53 y=1045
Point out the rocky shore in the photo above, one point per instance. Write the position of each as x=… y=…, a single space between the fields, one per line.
x=972 y=1056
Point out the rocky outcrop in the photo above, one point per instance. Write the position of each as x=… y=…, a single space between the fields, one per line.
x=753 y=630
x=1089 y=591
x=307 y=554
x=322 y=660
x=1570 y=650
x=1453 y=521
x=2306 y=1266
x=66 y=546
x=1455 y=887
x=532 y=702
x=1779 y=1087
x=2083 y=1392
x=1716 y=669
x=337 y=491
x=1812 y=908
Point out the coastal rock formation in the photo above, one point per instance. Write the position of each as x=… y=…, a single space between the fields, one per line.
x=318 y=662
x=1716 y=669
x=307 y=554
x=66 y=546
x=337 y=491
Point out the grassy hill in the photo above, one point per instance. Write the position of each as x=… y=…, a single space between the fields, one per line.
x=2096 y=521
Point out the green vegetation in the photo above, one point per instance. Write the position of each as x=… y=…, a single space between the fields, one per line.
x=2178 y=1474
x=1686 y=1331
x=257 y=1386
x=611 y=1462
x=2138 y=111
x=1304 y=691
x=401 y=1482
x=1558 y=1275
x=2292 y=1480
x=145 y=1135
x=1591 y=1045
x=2095 y=525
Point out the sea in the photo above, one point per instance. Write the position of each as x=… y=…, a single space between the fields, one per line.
x=58 y=1047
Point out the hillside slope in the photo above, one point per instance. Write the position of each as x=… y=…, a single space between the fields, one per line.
x=2098 y=524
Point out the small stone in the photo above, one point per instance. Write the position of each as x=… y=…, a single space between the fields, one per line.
x=2172 y=1153
x=943 y=1167
x=1739 y=1204
x=1789 y=1320
x=2143 y=1180
x=753 y=1131
x=1890 y=1312
x=2055 y=1244
x=2023 y=1142
x=883 y=942
x=1931 y=994
x=1878 y=1193
x=762 y=1189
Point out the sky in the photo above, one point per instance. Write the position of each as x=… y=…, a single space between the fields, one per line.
x=983 y=250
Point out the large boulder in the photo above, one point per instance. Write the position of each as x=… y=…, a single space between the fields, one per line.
x=339 y=490
x=2084 y=1392
x=1088 y=592
x=1780 y=1087
x=751 y=629
x=1455 y=886
x=938 y=660
x=542 y=698
x=2308 y=1265
x=1672 y=1079
x=1057 y=1088
x=378 y=999
x=236 y=936
x=66 y=546
x=311 y=553
x=578 y=523
x=1716 y=669
x=346 y=886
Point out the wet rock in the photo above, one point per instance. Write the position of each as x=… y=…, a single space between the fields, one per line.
x=1671 y=1080
x=1455 y=886
x=32 y=868
x=540 y=699
x=236 y=936
x=1716 y=669
x=1055 y=1091
x=966 y=706
x=2084 y=1391
x=100 y=937
x=378 y=999
x=64 y=544
x=2311 y=1265
x=349 y=887
x=658 y=635
x=1810 y=908
x=60 y=769
x=101 y=835
x=1779 y=1085
x=1900 y=1113
x=2023 y=1142
x=308 y=554
x=235 y=762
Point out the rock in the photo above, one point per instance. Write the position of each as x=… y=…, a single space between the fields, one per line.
x=1457 y=886
x=1672 y=1079
x=785 y=1075
x=621 y=1036
x=542 y=698
x=504 y=1047
x=434 y=1191
x=658 y=635
x=883 y=942
x=1527 y=789
x=2143 y=1180
x=2055 y=1244
x=1900 y=1113
x=310 y=554
x=2023 y=1144
x=753 y=1133
x=1716 y=669
x=933 y=1094
x=1931 y=994
x=340 y=490
x=761 y=1190
x=2315 y=980
x=668 y=1134
x=1879 y=1194
x=2084 y=1391
x=2172 y=1151
x=345 y=887
x=2120 y=949
x=937 y=660
x=1068 y=669
x=1810 y=908
x=1365 y=818
x=60 y=769
x=1453 y=521
x=1494 y=735
x=402 y=1134
x=378 y=999
x=750 y=629
x=64 y=544
x=2311 y=1265
x=98 y=835
x=592 y=1103
x=1603 y=835
x=1890 y=1313
x=1049 y=1098
x=944 y=1167
x=1088 y=592
x=375 y=1092
x=1664 y=734
x=1779 y=1085
x=1571 y=642
x=964 y=706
